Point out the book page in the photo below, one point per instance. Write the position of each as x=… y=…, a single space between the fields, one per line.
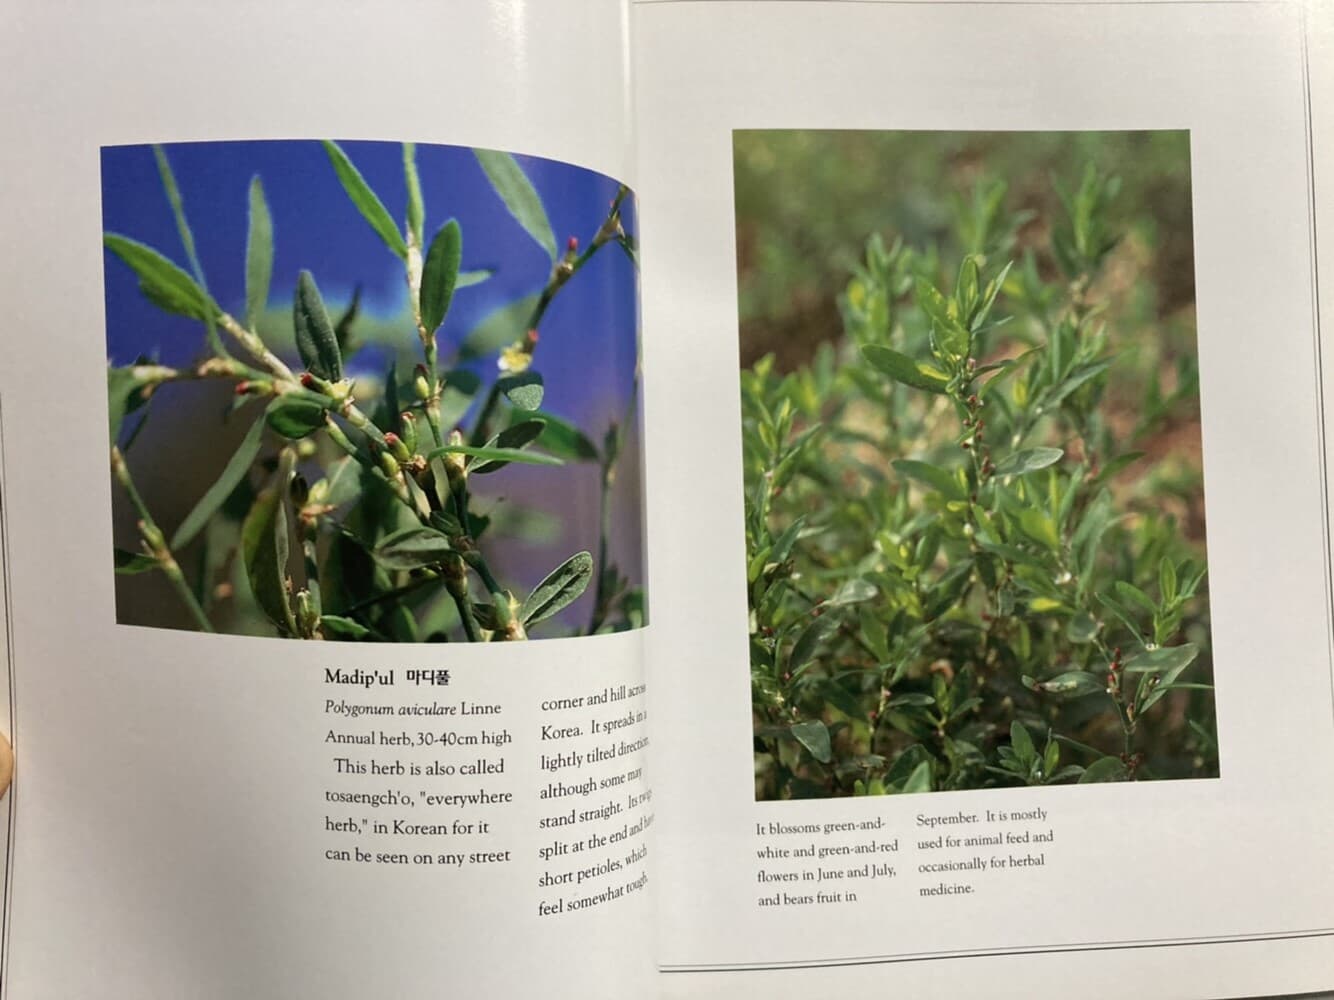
x=1001 y=626
x=353 y=289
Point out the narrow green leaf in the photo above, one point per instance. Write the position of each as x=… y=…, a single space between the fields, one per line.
x=940 y=480
x=809 y=642
x=264 y=545
x=911 y=700
x=852 y=591
x=124 y=395
x=523 y=389
x=519 y=196
x=491 y=454
x=814 y=736
x=516 y=436
x=412 y=548
x=966 y=289
x=315 y=338
x=1129 y=592
x=343 y=328
x=162 y=282
x=131 y=563
x=366 y=201
x=467 y=279
x=258 y=254
x=1028 y=460
x=904 y=369
x=1073 y=683
x=232 y=474
x=499 y=328
x=560 y=437
x=563 y=585
x=416 y=211
x=177 y=204
x=440 y=273
x=1170 y=661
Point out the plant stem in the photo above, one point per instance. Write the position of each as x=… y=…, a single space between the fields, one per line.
x=156 y=542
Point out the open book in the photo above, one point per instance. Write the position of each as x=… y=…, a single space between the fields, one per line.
x=666 y=499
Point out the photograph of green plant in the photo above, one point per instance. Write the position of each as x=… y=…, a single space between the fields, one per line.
x=330 y=420
x=974 y=495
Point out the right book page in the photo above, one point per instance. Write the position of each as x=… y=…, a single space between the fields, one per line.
x=1001 y=627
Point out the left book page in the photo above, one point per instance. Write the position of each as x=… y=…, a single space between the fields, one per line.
x=321 y=380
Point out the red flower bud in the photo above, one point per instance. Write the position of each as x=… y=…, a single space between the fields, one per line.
x=308 y=380
x=573 y=244
x=390 y=438
x=242 y=388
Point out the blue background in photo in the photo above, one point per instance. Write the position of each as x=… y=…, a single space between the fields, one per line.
x=588 y=336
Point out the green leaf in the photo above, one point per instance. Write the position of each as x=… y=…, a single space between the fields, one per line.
x=1129 y=592
x=124 y=395
x=904 y=369
x=1083 y=627
x=344 y=627
x=499 y=328
x=911 y=700
x=366 y=201
x=1028 y=460
x=562 y=586
x=446 y=522
x=1073 y=683
x=1040 y=527
x=523 y=389
x=814 y=736
x=1167 y=580
x=808 y=643
x=264 y=546
x=467 y=279
x=258 y=254
x=295 y=418
x=519 y=196
x=232 y=474
x=852 y=591
x=1022 y=743
x=953 y=336
x=343 y=328
x=920 y=779
x=1075 y=381
x=412 y=548
x=560 y=437
x=966 y=289
x=1103 y=769
x=416 y=211
x=492 y=454
x=440 y=274
x=162 y=282
x=130 y=563
x=516 y=436
x=1170 y=661
x=940 y=480
x=315 y=338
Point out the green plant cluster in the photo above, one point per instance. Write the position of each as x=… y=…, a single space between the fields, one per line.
x=347 y=510
x=964 y=569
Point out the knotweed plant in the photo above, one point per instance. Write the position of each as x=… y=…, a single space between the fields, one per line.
x=349 y=504
x=964 y=569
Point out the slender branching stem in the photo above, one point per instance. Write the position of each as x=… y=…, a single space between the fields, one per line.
x=155 y=542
